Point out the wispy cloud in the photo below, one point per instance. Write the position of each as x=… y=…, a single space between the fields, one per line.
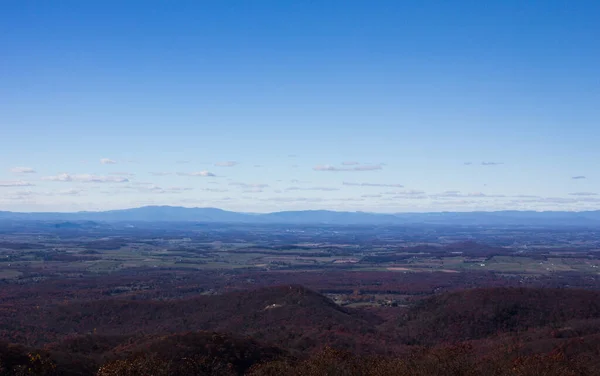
x=366 y=167
x=448 y=194
x=468 y=163
x=21 y=195
x=86 y=178
x=329 y=168
x=160 y=173
x=182 y=162
x=558 y=200
x=216 y=190
x=197 y=173
x=454 y=194
x=491 y=163
x=373 y=185
x=22 y=170
x=15 y=183
x=371 y=196
x=578 y=177
x=311 y=199
x=64 y=192
x=155 y=189
x=107 y=161
x=410 y=192
x=325 y=189
x=249 y=185
x=226 y=164
x=179 y=189
x=69 y=192
x=293 y=199
x=350 y=163
x=455 y=203
x=409 y=197
x=583 y=194
x=122 y=173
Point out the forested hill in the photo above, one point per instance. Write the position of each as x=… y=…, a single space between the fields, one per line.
x=292 y=330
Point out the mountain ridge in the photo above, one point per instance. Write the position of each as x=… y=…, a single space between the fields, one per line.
x=216 y=215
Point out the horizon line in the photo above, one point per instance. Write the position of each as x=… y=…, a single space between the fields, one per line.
x=302 y=210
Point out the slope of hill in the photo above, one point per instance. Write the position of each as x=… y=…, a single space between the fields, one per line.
x=479 y=313
x=174 y=354
x=292 y=316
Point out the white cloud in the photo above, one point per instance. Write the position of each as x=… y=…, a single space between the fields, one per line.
x=142 y=183
x=350 y=163
x=453 y=194
x=328 y=168
x=293 y=199
x=179 y=189
x=197 y=173
x=455 y=202
x=583 y=194
x=130 y=174
x=311 y=199
x=15 y=183
x=153 y=188
x=246 y=185
x=86 y=178
x=348 y=199
x=218 y=190
x=410 y=197
x=491 y=163
x=20 y=195
x=410 y=192
x=226 y=164
x=22 y=170
x=325 y=189
x=70 y=192
x=373 y=185
x=108 y=161
x=368 y=167
x=551 y=200
x=370 y=196
x=253 y=190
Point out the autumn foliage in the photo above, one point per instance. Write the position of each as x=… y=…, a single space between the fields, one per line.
x=291 y=330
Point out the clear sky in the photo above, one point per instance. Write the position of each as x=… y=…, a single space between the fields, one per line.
x=385 y=106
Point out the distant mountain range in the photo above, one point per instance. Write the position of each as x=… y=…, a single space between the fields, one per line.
x=213 y=215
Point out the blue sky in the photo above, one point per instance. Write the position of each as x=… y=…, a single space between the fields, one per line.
x=383 y=106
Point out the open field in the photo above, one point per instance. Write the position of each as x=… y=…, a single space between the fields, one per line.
x=108 y=249
x=352 y=264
